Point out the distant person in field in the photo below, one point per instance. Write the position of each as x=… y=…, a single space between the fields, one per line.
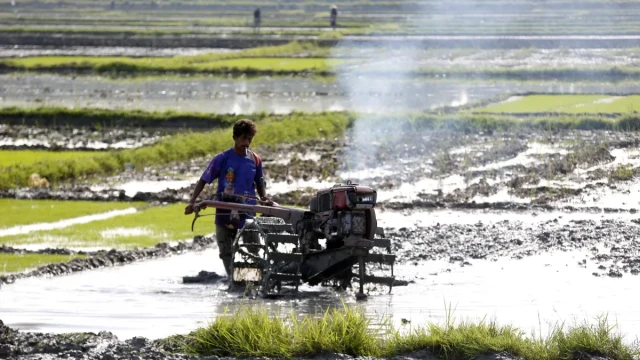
x=256 y=19
x=334 y=16
x=238 y=171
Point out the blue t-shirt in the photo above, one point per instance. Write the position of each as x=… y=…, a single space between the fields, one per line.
x=236 y=175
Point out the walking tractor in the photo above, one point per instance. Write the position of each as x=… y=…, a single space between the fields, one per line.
x=330 y=244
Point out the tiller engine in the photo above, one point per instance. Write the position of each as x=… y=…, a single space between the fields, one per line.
x=284 y=246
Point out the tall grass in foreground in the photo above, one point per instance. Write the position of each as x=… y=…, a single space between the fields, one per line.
x=253 y=332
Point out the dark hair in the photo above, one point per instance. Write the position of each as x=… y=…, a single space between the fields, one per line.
x=244 y=126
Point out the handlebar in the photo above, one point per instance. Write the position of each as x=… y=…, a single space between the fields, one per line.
x=271 y=208
x=203 y=205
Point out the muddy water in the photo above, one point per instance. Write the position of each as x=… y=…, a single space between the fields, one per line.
x=148 y=298
x=276 y=95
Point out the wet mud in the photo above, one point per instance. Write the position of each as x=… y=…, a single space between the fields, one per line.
x=101 y=258
x=612 y=243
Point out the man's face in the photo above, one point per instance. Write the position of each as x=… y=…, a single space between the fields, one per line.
x=243 y=141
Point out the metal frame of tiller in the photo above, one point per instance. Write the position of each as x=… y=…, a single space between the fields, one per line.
x=343 y=215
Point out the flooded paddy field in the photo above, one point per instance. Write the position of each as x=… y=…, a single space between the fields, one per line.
x=553 y=286
x=492 y=215
x=519 y=224
x=533 y=283
x=279 y=95
x=467 y=214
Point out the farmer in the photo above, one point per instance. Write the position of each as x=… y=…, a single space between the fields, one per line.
x=239 y=172
x=256 y=18
x=334 y=16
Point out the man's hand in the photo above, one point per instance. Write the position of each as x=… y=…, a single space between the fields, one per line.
x=266 y=201
x=189 y=209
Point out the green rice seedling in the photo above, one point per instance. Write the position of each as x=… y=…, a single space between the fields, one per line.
x=25 y=211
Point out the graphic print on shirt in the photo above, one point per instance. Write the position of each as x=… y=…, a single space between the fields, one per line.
x=229 y=188
x=229 y=184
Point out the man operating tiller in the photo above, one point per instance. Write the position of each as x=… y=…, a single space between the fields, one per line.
x=239 y=174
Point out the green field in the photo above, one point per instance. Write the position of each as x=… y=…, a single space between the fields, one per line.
x=12 y=263
x=29 y=157
x=22 y=212
x=275 y=64
x=181 y=65
x=254 y=56
x=316 y=61
x=144 y=228
x=566 y=104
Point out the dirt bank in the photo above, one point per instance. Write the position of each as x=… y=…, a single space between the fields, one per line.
x=245 y=42
x=18 y=137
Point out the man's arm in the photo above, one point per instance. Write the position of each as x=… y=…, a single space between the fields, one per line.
x=199 y=186
x=260 y=185
x=262 y=191
x=212 y=172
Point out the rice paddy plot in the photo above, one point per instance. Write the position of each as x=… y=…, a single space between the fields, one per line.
x=566 y=104
x=26 y=211
x=28 y=157
x=12 y=263
x=140 y=229
x=277 y=64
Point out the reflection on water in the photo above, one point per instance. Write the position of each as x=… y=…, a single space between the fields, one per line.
x=148 y=298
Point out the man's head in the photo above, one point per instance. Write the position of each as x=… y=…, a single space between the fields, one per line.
x=243 y=132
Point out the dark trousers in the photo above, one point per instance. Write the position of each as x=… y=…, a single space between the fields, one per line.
x=225 y=238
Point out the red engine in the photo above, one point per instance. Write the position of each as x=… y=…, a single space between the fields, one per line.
x=344 y=211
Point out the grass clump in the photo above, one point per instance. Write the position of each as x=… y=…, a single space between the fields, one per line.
x=11 y=263
x=22 y=212
x=622 y=173
x=253 y=331
x=101 y=118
